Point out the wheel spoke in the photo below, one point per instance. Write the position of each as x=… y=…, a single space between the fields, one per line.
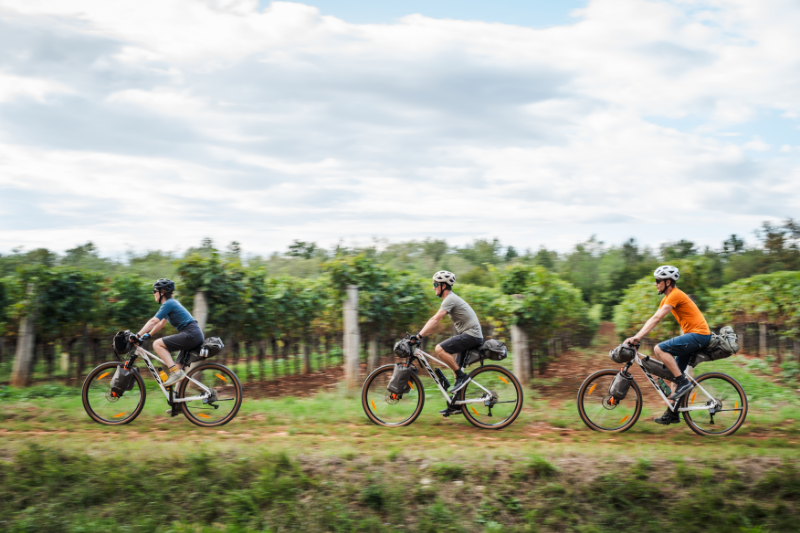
x=386 y=408
x=219 y=404
x=597 y=409
x=505 y=401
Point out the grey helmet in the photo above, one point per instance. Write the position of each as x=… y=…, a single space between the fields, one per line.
x=667 y=272
x=444 y=276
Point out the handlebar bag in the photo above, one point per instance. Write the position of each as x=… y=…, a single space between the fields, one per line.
x=401 y=378
x=120 y=344
x=403 y=348
x=622 y=354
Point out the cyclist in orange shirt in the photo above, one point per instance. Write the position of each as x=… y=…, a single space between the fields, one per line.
x=675 y=353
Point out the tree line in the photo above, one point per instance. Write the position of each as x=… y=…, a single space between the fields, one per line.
x=267 y=317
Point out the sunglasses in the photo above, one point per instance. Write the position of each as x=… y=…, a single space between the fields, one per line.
x=155 y=291
x=435 y=285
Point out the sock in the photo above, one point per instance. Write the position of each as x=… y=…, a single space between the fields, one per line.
x=459 y=373
x=173 y=369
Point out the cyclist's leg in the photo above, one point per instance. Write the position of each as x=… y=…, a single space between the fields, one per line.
x=675 y=354
x=448 y=349
x=188 y=338
x=163 y=353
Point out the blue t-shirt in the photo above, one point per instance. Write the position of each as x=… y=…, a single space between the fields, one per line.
x=176 y=314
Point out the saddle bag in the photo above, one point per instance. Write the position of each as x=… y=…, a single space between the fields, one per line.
x=491 y=349
x=210 y=347
x=721 y=346
x=401 y=378
x=122 y=381
x=622 y=354
x=619 y=387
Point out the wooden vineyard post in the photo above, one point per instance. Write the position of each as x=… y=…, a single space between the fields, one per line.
x=23 y=358
x=200 y=310
x=372 y=357
x=762 y=339
x=351 y=337
x=522 y=359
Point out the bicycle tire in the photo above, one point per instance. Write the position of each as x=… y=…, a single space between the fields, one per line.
x=195 y=412
x=626 y=422
x=106 y=370
x=371 y=407
x=694 y=421
x=469 y=411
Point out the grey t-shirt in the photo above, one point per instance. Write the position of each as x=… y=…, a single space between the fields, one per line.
x=464 y=318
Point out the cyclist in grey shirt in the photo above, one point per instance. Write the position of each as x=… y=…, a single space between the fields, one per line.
x=468 y=329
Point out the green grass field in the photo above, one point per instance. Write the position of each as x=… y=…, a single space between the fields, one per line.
x=339 y=472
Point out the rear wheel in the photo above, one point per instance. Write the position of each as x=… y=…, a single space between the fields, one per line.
x=501 y=404
x=225 y=400
x=600 y=411
x=726 y=402
x=102 y=406
x=388 y=409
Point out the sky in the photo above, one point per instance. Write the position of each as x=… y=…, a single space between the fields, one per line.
x=151 y=125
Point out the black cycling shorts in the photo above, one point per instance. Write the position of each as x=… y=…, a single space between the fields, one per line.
x=460 y=343
x=188 y=338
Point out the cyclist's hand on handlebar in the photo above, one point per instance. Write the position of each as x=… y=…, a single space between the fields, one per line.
x=415 y=339
x=632 y=341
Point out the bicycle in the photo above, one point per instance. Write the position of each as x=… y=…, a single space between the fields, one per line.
x=209 y=396
x=717 y=406
x=493 y=392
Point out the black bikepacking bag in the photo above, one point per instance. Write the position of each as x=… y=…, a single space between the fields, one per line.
x=657 y=368
x=619 y=387
x=122 y=381
x=401 y=378
x=491 y=349
x=210 y=347
x=622 y=354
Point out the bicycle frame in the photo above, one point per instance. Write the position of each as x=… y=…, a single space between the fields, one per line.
x=672 y=406
x=422 y=357
x=145 y=355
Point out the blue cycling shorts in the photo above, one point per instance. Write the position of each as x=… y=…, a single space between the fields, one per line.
x=684 y=346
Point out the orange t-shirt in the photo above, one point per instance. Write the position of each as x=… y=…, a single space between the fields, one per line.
x=686 y=312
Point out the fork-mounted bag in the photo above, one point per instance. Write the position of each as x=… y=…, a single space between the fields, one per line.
x=401 y=378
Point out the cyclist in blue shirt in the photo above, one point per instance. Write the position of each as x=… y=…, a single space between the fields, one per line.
x=189 y=334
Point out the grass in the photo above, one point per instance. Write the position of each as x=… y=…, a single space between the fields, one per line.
x=315 y=463
x=47 y=490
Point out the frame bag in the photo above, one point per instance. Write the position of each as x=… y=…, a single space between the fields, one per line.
x=657 y=368
x=401 y=378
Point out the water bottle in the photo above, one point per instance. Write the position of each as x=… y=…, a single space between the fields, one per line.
x=443 y=380
x=163 y=375
x=666 y=390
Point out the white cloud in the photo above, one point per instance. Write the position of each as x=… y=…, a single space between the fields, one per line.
x=265 y=125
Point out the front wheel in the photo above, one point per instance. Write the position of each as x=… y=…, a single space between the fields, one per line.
x=388 y=409
x=102 y=406
x=601 y=411
x=217 y=401
x=726 y=402
x=500 y=393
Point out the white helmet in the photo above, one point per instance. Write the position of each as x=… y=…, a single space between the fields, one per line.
x=667 y=272
x=444 y=276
